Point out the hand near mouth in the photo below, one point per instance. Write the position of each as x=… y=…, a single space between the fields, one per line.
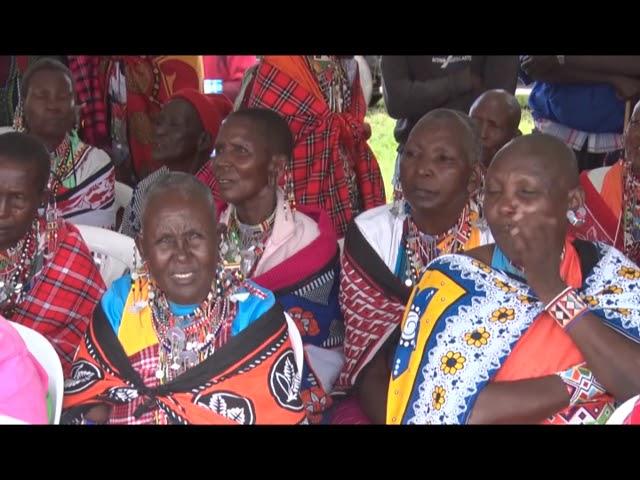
x=533 y=240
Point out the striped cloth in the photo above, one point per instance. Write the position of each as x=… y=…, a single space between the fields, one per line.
x=596 y=142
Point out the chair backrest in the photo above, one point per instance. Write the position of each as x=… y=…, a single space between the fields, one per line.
x=123 y=195
x=622 y=412
x=48 y=358
x=112 y=251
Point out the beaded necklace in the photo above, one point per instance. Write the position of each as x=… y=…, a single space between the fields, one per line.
x=422 y=248
x=187 y=340
x=13 y=279
x=64 y=160
x=243 y=245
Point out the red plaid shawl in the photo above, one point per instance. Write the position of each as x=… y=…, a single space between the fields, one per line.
x=90 y=91
x=318 y=172
x=61 y=301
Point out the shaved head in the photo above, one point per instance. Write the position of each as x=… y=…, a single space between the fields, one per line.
x=501 y=100
x=552 y=158
x=459 y=122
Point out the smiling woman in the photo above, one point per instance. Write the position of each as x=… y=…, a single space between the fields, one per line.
x=183 y=328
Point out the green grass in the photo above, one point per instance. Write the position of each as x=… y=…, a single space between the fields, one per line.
x=384 y=145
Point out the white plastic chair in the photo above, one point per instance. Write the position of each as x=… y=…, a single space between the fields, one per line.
x=123 y=195
x=48 y=358
x=112 y=251
x=622 y=412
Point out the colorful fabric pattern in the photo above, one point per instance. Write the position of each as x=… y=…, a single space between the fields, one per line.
x=87 y=194
x=373 y=296
x=251 y=379
x=306 y=285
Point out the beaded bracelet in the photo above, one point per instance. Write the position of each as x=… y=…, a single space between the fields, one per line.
x=581 y=384
x=566 y=307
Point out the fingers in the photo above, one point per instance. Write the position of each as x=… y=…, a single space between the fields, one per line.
x=533 y=231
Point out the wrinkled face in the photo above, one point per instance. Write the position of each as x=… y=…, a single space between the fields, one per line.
x=435 y=168
x=491 y=114
x=180 y=245
x=20 y=197
x=49 y=106
x=632 y=139
x=519 y=183
x=177 y=133
x=243 y=162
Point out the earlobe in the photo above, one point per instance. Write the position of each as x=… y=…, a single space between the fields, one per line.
x=276 y=167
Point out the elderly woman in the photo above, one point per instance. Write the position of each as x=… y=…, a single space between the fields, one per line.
x=387 y=248
x=612 y=198
x=178 y=326
x=82 y=180
x=292 y=253
x=184 y=133
x=48 y=280
x=536 y=328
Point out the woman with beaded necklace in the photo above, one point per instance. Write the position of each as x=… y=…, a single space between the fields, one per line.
x=293 y=253
x=48 y=280
x=178 y=326
x=82 y=180
x=387 y=248
x=612 y=198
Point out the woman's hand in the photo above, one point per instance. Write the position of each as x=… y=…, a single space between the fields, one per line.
x=534 y=239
